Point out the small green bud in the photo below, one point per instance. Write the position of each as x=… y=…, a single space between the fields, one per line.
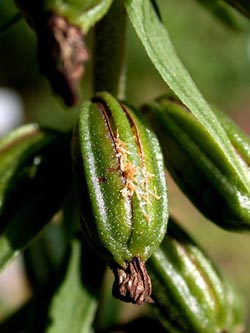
x=119 y=174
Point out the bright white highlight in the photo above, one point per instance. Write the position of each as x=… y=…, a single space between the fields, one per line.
x=11 y=110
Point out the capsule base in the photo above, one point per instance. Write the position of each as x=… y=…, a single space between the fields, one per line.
x=133 y=283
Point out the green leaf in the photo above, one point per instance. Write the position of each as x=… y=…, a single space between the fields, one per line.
x=222 y=12
x=74 y=305
x=242 y=6
x=10 y=23
x=45 y=255
x=160 y=50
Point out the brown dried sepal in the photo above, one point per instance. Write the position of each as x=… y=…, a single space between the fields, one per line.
x=133 y=283
x=62 y=56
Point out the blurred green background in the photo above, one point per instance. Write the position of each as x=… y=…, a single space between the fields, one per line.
x=218 y=59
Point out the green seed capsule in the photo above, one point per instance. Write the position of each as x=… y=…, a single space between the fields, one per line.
x=124 y=207
x=199 y=165
x=190 y=294
x=34 y=168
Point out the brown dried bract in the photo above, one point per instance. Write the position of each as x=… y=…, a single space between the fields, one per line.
x=133 y=283
x=62 y=56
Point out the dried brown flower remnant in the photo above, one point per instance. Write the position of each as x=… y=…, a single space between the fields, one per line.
x=133 y=283
x=62 y=55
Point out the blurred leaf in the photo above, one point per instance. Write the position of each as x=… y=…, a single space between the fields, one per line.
x=74 y=304
x=70 y=220
x=67 y=301
x=44 y=257
x=39 y=182
x=158 y=45
x=109 y=308
x=242 y=6
x=20 y=71
x=221 y=12
x=32 y=316
x=12 y=21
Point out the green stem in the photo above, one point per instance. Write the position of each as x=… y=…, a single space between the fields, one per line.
x=109 y=49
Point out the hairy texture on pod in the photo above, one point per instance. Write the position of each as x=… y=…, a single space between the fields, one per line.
x=119 y=175
x=200 y=167
x=60 y=26
x=190 y=294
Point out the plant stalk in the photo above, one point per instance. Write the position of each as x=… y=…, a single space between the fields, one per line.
x=109 y=50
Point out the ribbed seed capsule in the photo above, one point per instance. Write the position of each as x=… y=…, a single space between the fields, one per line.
x=190 y=294
x=199 y=165
x=124 y=206
x=35 y=179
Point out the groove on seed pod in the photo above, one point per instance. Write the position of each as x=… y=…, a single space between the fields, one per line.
x=217 y=185
x=135 y=177
x=122 y=191
x=191 y=294
x=130 y=171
